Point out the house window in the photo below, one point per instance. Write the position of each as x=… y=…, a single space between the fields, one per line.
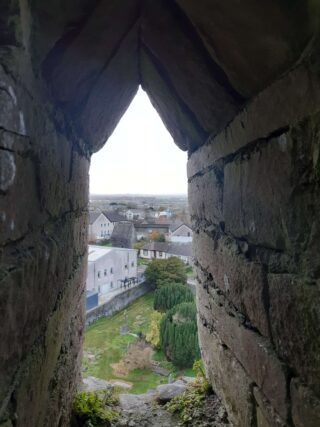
x=99 y=274
x=111 y=285
x=111 y=270
x=126 y=267
x=101 y=233
x=160 y=254
x=145 y=252
x=105 y=225
x=105 y=272
x=101 y=225
x=132 y=264
x=188 y=233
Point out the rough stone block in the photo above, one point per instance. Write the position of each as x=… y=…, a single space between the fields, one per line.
x=305 y=405
x=242 y=281
x=256 y=194
x=228 y=378
x=266 y=415
x=284 y=103
x=222 y=25
x=295 y=320
x=111 y=94
x=205 y=196
x=253 y=351
x=73 y=71
x=196 y=81
x=186 y=133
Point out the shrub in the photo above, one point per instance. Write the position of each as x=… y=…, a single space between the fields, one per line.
x=160 y=271
x=171 y=294
x=153 y=335
x=179 y=335
x=187 y=405
x=90 y=409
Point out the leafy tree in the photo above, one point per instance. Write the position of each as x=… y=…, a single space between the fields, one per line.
x=154 y=236
x=171 y=294
x=161 y=238
x=178 y=335
x=163 y=271
x=139 y=245
x=153 y=335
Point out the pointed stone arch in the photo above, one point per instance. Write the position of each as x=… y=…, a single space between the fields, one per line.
x=237 y=85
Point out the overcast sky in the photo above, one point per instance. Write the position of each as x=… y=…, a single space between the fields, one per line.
x=140 y=157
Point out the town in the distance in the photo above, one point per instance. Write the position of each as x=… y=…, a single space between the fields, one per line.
x=125 y=233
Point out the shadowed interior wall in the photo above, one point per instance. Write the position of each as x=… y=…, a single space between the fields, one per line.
x=238 y=86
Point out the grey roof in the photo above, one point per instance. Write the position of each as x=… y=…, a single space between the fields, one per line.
x=114 y=216
x=152 y=225
x=93 y=216
x=183 y=249
x=122 y=230
x=174 y=227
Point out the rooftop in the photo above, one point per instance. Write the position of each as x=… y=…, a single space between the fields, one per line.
x=182 y=249
x=95 y=252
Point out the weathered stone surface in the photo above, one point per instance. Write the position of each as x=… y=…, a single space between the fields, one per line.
x=256 y=193
x=228 y=377
x=305 y=405
x=73 y=70
x=166 y=392
x=198 y=82
x=295 y=313
x=226 y=30
x=253 y=351
x=266 y=415
x=116 y=84
x=286 y=102
x=95 y=384
x=205 y=194
x=186 y=133
x=242 y=281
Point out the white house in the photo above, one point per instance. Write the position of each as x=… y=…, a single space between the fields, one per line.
x=101 y=224
x=164 y=250
x=134 y=214
x=110 y=268
x=99 y=227
x=180 y=233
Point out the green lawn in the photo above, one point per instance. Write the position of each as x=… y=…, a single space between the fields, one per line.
x=102 y=339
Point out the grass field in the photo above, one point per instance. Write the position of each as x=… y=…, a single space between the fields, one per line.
x=104 y=342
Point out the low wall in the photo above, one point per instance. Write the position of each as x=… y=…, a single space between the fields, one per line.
x=117 y=303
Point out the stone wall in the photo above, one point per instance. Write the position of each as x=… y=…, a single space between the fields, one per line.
x=43 y=198
x=242 y=72
x=117 y=303
x=254 y=201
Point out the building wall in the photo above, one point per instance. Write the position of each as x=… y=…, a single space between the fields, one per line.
x=180 y=239
x=117 y=302
x=182 y=231
x=101 y=229
x=115 y=260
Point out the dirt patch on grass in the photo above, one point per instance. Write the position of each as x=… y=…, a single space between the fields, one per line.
x=139 y=356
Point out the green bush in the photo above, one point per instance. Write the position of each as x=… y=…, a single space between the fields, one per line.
x=92 y=409
x=171 y=294
x=162 y=271
x=187 y=405
x=179 y=335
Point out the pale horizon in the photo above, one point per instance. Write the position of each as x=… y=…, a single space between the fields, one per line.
x=140 y=158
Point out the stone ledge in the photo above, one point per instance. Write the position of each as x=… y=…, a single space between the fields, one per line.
x=284 y=103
